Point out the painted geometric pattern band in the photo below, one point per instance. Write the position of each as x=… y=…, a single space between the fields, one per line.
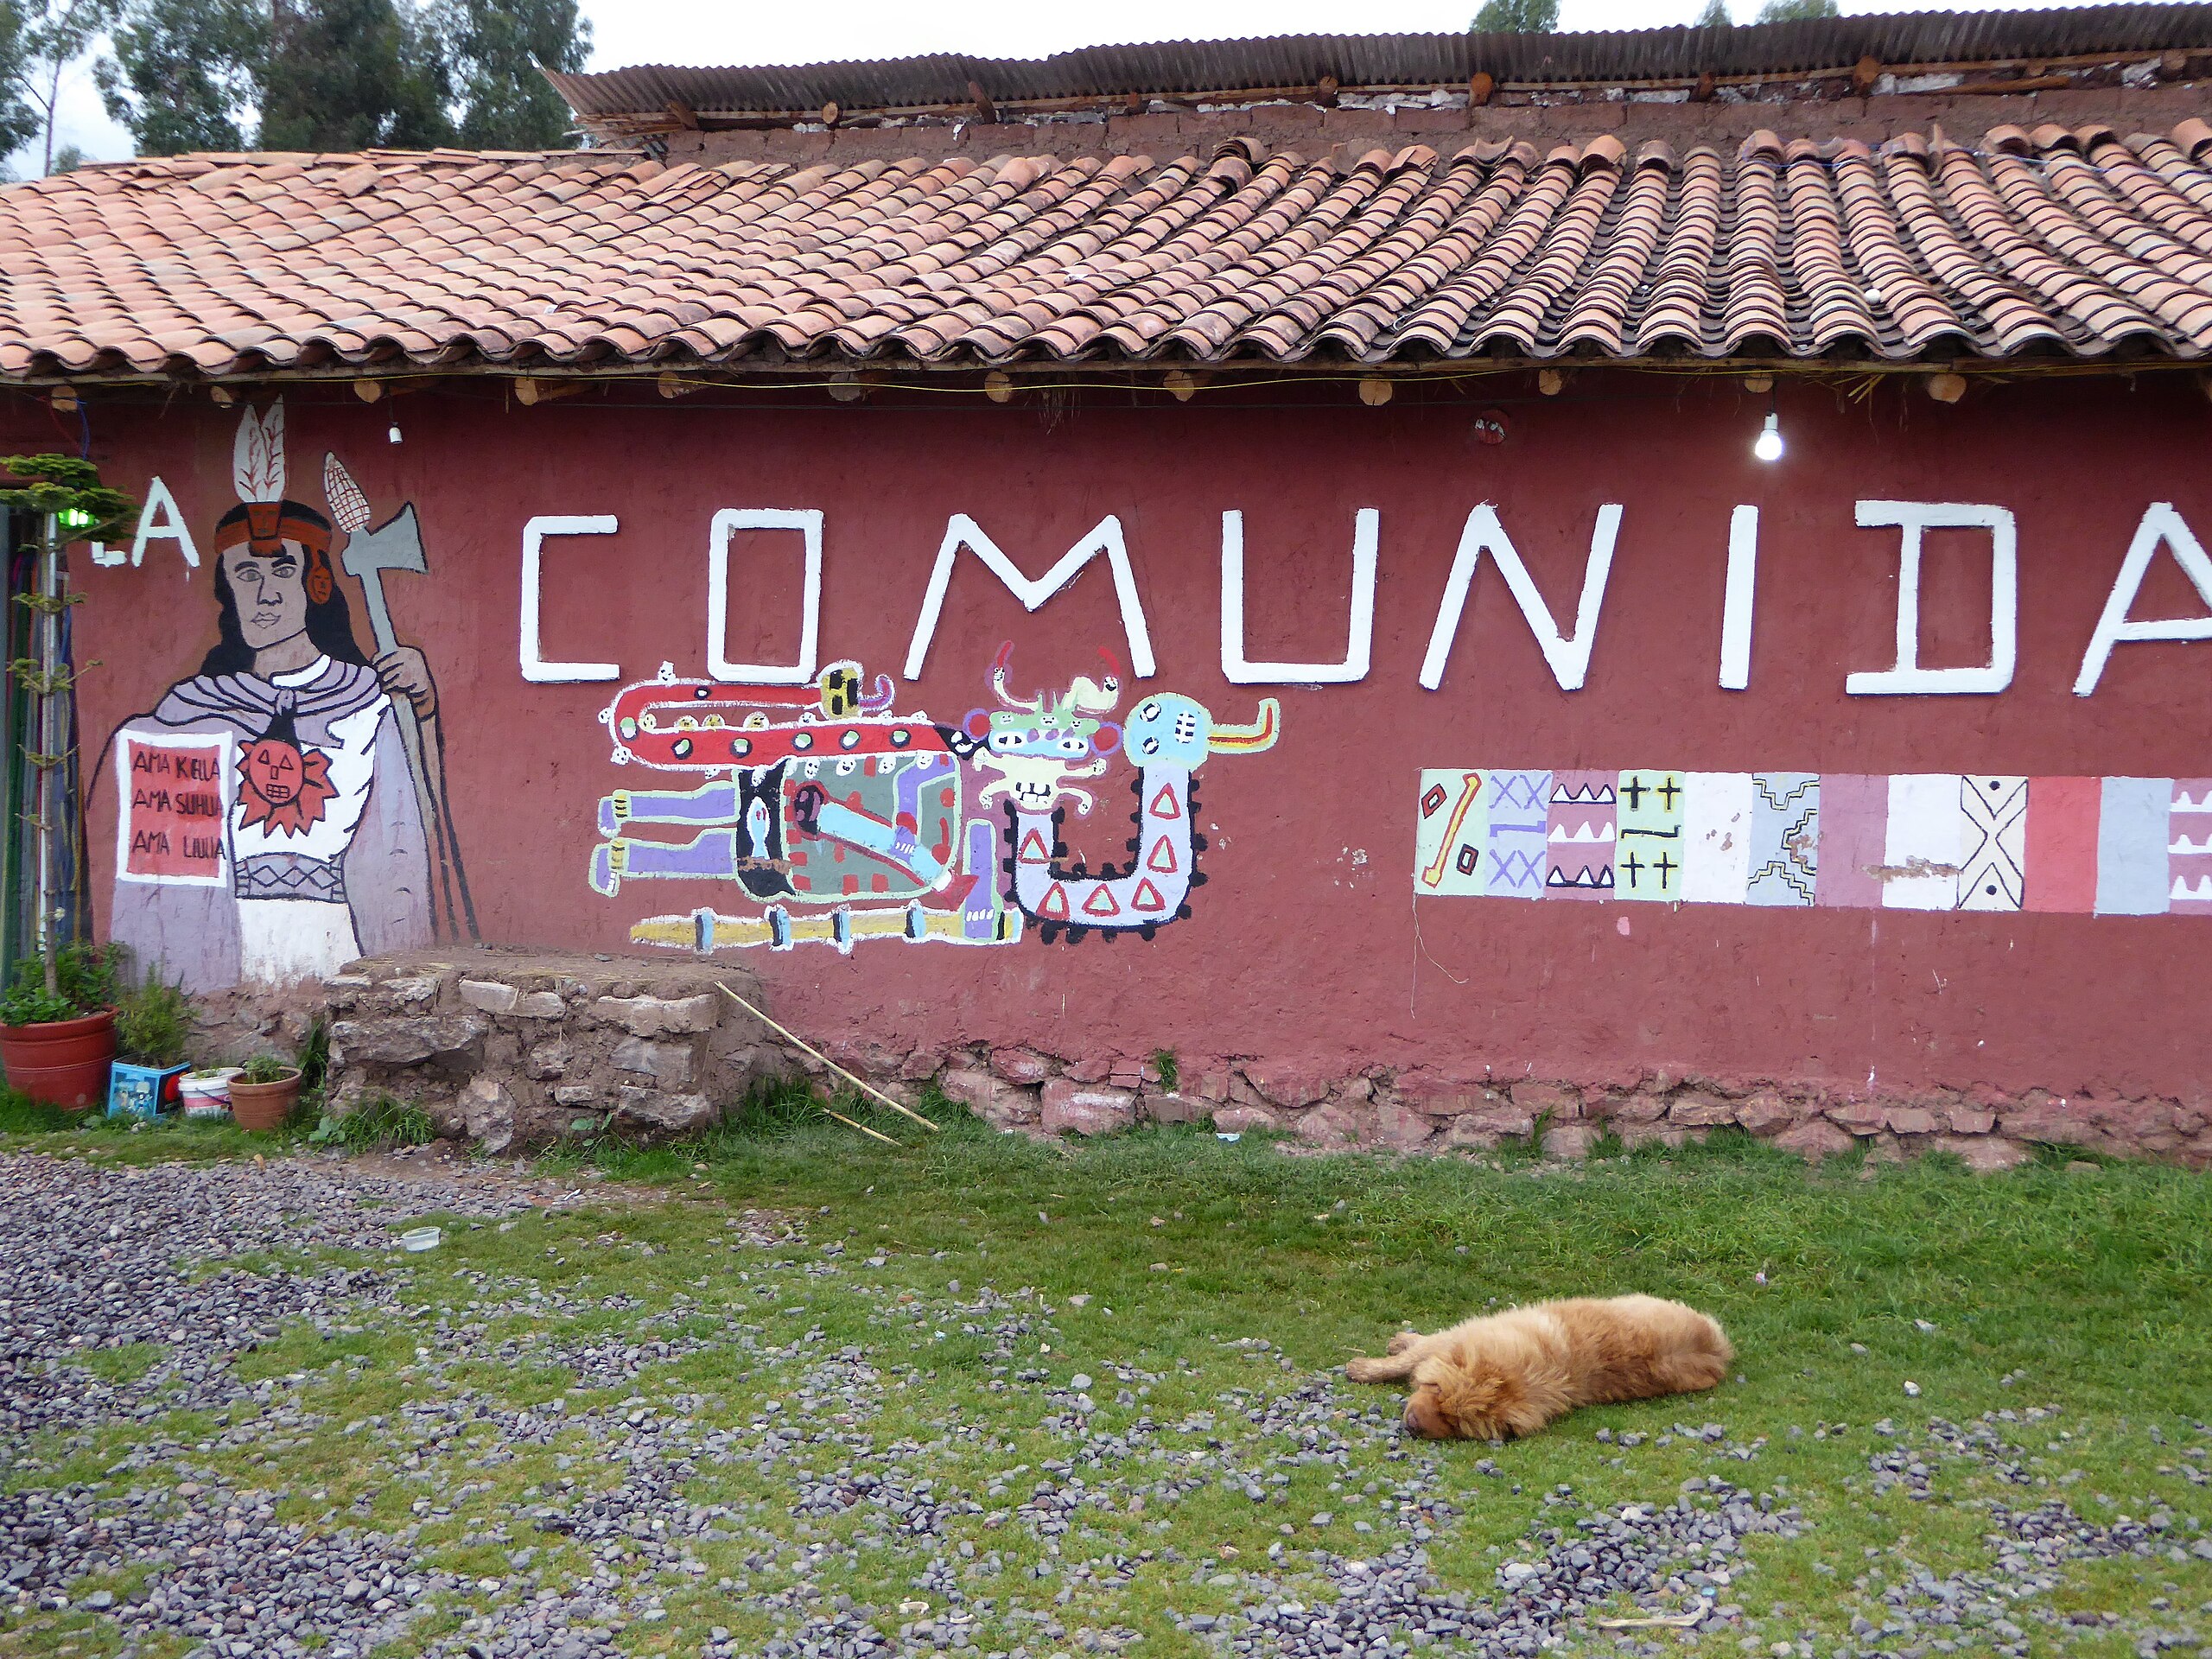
x=1917 y=841
x=291 y=875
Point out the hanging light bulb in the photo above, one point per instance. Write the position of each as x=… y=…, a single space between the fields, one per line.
x=394 y=433
x=1768 y=445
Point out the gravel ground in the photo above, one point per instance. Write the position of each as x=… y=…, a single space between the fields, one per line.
x=106 y=1257
x=98 y=1258
x=205 y=1261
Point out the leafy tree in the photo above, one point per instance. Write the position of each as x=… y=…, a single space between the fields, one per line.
x=18 y=121
x=337 y=74
x=351 y=74
x=1798 y=11
x=186 y=72
x=39 y=40
x=1715 y=15
x=1518 y=17
x=495 y=49
x=421 y=112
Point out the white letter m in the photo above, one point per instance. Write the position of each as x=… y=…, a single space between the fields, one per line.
x=961 y=532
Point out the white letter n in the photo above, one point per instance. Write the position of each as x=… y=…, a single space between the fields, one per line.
x=1568 y=654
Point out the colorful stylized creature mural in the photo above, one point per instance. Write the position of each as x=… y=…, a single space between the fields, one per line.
x=282 y=810
x=848 y=821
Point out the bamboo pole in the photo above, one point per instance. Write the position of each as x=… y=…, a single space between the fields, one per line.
x=872 y=1134
x=48 y=657
x=861 y=1083
x=1676 y=1621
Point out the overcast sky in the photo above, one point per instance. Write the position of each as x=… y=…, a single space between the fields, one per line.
x=731 y=31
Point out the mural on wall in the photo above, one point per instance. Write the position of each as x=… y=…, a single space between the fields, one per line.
x=844 y=820
x=282 y=810
x=1920 y=841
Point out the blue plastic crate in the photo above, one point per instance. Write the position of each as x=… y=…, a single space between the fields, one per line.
x=143 y=1090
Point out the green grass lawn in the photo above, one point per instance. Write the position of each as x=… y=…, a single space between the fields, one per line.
x=1203 y=1287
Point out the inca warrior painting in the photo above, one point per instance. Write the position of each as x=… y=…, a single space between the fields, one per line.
x=281 y=812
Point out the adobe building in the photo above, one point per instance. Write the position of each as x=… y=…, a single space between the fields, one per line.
x=1405 y=589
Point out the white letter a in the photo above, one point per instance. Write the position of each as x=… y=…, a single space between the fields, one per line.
x=2160 y=524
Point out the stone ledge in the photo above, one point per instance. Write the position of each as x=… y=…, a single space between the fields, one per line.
x=1018 y=1086
x=510 y=1049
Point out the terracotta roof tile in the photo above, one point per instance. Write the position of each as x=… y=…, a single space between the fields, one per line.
x=2071 y=240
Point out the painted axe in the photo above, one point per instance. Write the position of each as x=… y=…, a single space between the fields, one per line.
x=396 y=544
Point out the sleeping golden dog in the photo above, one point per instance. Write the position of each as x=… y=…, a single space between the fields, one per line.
x=1508 y=1374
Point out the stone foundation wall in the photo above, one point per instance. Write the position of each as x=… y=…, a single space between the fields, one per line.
x=1019 y=1088
x=230 y=1027
x=511 y=1051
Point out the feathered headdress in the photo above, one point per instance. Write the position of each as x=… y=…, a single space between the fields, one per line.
x=258 y=456
x=264 y=519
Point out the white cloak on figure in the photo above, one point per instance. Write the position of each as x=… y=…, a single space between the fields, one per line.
x=284 y=897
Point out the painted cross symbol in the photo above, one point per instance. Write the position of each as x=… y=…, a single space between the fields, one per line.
x=1635 y=790
x=1667 y=793
x=1666 y=866
x=1633 y=865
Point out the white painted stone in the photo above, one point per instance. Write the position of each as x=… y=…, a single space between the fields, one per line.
x=650 y=1016
x=667 y=1064
x=489 y=994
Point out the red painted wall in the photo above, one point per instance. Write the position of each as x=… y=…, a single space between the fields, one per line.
x=1306 y=945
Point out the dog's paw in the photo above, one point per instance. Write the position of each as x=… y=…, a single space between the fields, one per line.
x=1402 y=1341
x=1370 y=1370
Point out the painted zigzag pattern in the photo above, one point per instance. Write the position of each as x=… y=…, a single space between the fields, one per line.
x=1919 y=841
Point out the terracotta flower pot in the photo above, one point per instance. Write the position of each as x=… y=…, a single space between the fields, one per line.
x=62 y=1062
x=264 y=1106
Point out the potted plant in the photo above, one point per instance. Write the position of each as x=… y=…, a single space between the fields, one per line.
x=153 y=1020
x=263 y=1093
x=57 y=1026
x=57 y=1020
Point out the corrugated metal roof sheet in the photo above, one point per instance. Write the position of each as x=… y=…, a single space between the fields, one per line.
x=1183 y=67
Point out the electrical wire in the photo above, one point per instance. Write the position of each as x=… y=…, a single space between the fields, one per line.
x=1857 y=377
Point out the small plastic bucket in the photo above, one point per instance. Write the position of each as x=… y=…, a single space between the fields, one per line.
x=207 y=1093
